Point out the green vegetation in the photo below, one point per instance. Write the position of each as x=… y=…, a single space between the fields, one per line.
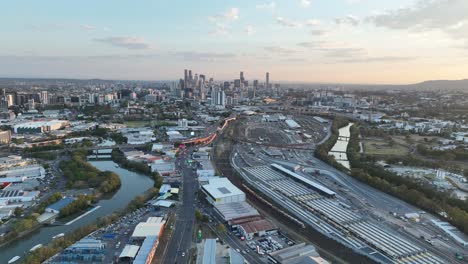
x=57 y=245
x=118 y=138
x=200 y=216
x=44 y=155
x=52 y=199
x=98 y=110
x=387 y=147
x=119 y=158
x=44 y=148
x=405 y=188
x=81 y=202
x=137 y=123
x=459 y=153
x=81 y=174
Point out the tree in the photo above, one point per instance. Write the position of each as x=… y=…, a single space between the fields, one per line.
x=18 y=211
x=198 y=215
x=221 y=228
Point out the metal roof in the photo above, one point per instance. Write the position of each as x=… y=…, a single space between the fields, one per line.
x=129 y=251
x=209 y=252
x=61 y=204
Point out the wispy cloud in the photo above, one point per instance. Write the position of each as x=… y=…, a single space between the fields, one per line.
x=268 y=6
x=288 y=23
x=219 y=21
x=250 y=30
x=232 y=14
x=280 y=50
x=205 y=56
x=348 y=20
x=133 y=43
x=448 y=16
x=305 y=3
x=87 y=27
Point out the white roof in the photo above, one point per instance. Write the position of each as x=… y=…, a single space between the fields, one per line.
x=163 y=203
x=221 y=187
x=129 y=251
x=291 y=123
x=147 y=229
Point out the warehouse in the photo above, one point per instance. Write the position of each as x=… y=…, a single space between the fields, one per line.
x=292 y=124
x=152 y=227
x=39 y=126
x=30 y=172
x=129 y=253
x=56 y=207
x=222 y=191
x=17 y=196
x=230 y=211
x=257 y=228
x=300 y=253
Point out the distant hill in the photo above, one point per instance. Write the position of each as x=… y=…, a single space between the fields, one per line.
x=448 y=85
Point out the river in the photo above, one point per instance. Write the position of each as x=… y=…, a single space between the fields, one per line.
x=133 y=184
x=339 y=149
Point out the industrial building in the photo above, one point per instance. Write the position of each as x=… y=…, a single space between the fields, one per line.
x=297 y=254
x=5 y=137
x=129 y=253
x=87 y=249
x=152 y=227
x=17 y=196
x=146 y=253
x=257 y=228
x=163 y=167
x=57 y=206
x=292 y=124
x=230 y=211
x=30 y=172
x=39 y=126
x=222 y=191
x=209 y=252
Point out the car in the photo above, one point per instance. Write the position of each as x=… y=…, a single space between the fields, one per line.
x=238 y=250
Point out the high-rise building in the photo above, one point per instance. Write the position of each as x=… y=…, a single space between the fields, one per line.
x=237 y=83
x=242 y=77
x=267 y=81
x=44 y=98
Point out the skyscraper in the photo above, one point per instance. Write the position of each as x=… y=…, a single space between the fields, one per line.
x=267 y=82
x=44 y=98
x=242 y=77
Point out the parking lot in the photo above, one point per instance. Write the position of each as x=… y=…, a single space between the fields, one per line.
x=264 y=245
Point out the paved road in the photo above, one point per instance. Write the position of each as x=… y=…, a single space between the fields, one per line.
x=181 y=239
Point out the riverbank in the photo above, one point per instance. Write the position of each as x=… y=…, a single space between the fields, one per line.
x=133 y=185
x=119 y=158
x=56 y=246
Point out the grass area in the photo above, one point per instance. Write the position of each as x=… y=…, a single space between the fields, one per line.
x=378 y=147
x=137 y=123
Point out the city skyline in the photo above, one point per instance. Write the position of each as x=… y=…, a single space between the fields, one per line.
x=338 y=41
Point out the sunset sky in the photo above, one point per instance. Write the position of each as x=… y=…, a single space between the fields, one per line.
x=342 y=41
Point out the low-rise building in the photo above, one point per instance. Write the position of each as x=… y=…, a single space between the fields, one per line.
x=57 y=206
x=221 y=191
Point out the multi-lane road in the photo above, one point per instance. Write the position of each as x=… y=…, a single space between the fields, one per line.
x=181 y=240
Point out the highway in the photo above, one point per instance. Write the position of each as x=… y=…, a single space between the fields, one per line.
x=181 y=240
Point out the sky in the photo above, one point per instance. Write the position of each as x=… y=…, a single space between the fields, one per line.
x=338 y=41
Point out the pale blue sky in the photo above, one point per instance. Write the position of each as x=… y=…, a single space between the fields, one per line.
x=296 y=40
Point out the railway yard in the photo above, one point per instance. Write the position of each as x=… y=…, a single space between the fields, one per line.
x=277 y=160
